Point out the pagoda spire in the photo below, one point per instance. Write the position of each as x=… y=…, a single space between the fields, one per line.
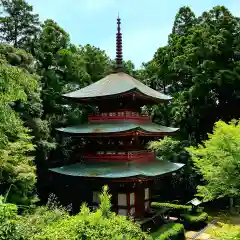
x=119 y=54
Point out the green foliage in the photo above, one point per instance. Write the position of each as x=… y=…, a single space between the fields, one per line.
x=33 y=223
x=54 y=223
x=195 y=221
x=199 y=217
x=170 y=231
x=217 y=160
x=170 y=149
x=16 y=165
x=227 y=232
x=170 y=205
x=8 y=215
x=195 y=68
x=174 y=210
x=18 y=24
x=97 y=63
x=185 y=19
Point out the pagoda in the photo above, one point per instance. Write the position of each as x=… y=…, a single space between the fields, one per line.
x=115 y=143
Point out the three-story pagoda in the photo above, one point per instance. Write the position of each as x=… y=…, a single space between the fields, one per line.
x=116 y=139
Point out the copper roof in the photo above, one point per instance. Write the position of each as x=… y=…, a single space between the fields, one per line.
x=115 y=84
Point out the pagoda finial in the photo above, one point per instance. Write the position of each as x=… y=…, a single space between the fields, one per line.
x=119 y=55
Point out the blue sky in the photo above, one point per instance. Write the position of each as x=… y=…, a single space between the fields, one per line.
x=145 y=23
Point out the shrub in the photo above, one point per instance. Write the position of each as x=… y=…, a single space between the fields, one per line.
x=8 y=214
x=55 y=224
x=195 y=221
x=175 y=209
x=170 y=205
x=170 y=231
x=34 y=223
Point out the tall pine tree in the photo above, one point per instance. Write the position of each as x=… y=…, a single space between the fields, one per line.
x=18 y=24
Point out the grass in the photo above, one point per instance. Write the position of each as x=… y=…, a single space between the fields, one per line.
x=227 y=227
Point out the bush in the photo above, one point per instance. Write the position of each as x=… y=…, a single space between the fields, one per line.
x=56 y=224
x=196 y=221
x=175 y=209
x=170 y=205
x=8 y=227
x=34 y=223
x=170 y=231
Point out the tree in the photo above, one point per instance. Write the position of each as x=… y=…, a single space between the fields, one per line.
x=97 y=63
x=218 y=161
x=200 y=69
x=18 y=24
x=17 y=171
x=170 y=149
x=31 y=112
x=185 y=19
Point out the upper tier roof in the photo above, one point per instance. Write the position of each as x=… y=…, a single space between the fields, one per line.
x=115 y=84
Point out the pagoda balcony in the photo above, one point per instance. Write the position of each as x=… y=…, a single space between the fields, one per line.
x=120 y=156
x=119 y=116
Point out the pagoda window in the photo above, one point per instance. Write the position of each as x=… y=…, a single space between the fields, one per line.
x=122 y=212
x=122 y=199
x=96 y=197
x=146 y=195
x=132 y=199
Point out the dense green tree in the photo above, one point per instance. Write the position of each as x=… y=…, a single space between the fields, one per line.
x=170 y=149
x=218 y=161
x=97 y=63
x=17 y=171
x=18 y=24
x=31 y=111
x=200 y=69
x=184 y=20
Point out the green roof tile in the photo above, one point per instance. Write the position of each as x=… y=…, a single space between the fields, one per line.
x=116 y=127
x=118 y=170
x=115 y=84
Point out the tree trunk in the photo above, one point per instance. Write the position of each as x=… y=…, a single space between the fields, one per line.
x=231 y=204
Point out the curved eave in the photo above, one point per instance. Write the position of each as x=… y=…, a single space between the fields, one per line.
x=138 y=95
x=118 y=171
x=117 y=129
x=114 y=85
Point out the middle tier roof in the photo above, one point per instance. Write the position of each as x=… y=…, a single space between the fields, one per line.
x=118 y=128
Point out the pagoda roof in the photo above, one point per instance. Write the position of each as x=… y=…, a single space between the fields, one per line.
x=113 y=85
x=118 y=170
x=117 y=127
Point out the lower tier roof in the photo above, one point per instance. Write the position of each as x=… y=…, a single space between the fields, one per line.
x=118 y=170
x=117 y=127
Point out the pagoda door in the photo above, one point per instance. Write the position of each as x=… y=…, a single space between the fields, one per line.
x=139 y=202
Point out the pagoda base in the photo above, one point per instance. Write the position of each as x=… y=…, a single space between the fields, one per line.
x=129 y=197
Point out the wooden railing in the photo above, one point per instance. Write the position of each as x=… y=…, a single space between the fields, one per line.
x=144 y=155
x=117 y=116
